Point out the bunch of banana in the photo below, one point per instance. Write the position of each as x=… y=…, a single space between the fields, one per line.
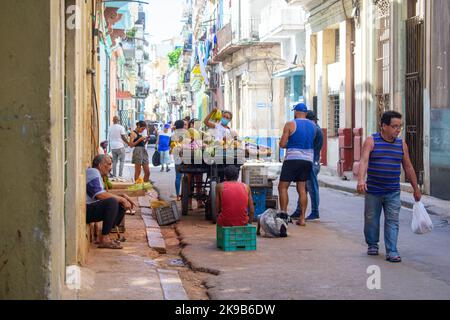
x=155 y=204
x=216 y=115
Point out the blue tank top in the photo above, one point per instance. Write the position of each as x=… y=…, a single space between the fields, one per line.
x=385 y=163
x=164 y=141
x=300 y=145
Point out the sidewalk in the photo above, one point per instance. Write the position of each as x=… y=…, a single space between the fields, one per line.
x=433 y=205
x=138 y=271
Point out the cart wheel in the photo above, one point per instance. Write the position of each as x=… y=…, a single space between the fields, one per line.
x=184 y=196
x=212 y=198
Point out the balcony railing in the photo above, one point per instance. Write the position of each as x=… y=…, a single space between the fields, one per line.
x=237 y=34
x=224 y=37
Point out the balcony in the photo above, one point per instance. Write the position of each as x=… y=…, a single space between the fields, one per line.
x=307 y=5
x=129 y=49
x=278 y=23
x=231 y=39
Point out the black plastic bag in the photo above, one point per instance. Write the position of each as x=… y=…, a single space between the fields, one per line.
x=156 y=159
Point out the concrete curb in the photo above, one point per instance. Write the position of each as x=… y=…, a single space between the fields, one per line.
x=431 y=209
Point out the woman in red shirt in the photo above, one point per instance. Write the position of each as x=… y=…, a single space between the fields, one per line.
x=234 y=200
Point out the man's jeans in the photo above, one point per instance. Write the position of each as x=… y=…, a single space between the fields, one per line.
x=391 y=204
x=312 y=186
x=118 y=155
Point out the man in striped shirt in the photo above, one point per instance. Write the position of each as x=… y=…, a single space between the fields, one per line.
x=383 y=155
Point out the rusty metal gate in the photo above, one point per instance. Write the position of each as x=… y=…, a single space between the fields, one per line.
x=414 y=93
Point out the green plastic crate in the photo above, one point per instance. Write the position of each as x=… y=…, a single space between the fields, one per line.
x=236 y=238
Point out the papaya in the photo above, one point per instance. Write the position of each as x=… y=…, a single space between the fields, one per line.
x=139 y=181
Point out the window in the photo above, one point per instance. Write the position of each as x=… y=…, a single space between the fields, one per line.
x=287 y=88
x=333 y=115
x=337 y=45
x=298 y=87
x=315 y=105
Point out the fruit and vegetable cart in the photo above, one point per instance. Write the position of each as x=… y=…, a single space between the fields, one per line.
x=204 y=189
x=213 y=165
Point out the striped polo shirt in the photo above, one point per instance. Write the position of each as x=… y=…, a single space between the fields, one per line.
x=385 y=164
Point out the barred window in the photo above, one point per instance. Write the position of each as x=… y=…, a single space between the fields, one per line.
x=333 y=115
x=337 y=45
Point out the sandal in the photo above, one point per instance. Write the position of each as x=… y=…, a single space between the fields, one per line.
x=394 y=259
x=300 y=223
x=131 y=212
x=372 y=251
x=110 y=245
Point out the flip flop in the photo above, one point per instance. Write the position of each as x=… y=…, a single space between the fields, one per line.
x=372 y=251
x=394 y=259
x=110 y=245
x=300 y=224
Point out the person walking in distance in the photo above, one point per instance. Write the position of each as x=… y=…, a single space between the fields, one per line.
x=383 y=155
x=140 y=154
x=163 y=146
x=117 y=141
x=298 y=139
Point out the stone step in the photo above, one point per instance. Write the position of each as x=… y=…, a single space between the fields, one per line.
x=147 y=212
x=156 y=240
x=150 y=222
x=171 y=285
x=144 y=202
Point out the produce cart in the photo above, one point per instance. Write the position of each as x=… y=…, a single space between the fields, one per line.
x=212 y=158
x=205 y=189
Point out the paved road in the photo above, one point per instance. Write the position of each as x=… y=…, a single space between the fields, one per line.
x=324 y=260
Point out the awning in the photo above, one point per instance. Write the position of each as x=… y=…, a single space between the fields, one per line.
x=123 y=95
x=289 y=72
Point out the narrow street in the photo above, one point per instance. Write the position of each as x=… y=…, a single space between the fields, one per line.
x=356 y=88
x=324 y=260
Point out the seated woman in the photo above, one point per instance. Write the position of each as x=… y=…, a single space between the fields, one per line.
x=234 y=200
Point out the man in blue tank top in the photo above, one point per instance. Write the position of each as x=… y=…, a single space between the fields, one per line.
x=298 y=140
x=383 y=155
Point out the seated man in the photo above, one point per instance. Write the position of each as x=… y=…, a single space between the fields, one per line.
x=234 y=200
x=101 y=205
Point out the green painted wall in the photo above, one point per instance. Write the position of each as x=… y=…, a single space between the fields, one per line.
x=27 y=118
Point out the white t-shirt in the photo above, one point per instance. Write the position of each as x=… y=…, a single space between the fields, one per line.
x=220 y=132
x=115 y=136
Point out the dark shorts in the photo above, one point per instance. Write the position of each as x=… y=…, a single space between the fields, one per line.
x=295 y=171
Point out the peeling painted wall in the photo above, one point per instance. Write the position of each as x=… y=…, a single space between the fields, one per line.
x=29 y=115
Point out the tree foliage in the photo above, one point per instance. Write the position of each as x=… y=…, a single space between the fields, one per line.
x=174 y=57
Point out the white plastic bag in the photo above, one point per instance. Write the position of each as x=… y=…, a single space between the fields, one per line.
x=421 y=222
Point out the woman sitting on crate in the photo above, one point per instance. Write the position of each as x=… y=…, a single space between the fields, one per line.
x=234 y=200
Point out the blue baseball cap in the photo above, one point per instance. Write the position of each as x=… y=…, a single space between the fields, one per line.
x=167 y=126
x=300 y=107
